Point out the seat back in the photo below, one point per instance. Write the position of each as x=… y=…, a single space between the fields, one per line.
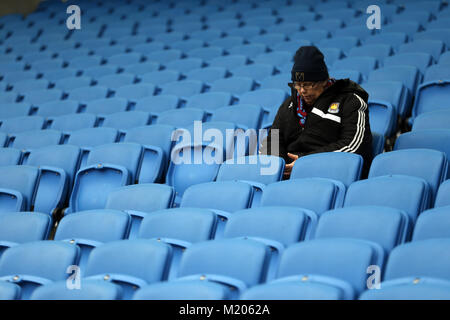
x=341 y=166
x=18 y=179
x=413 y=260
x=340 y=258
x=433 y=223
x=318 y=194
x=409 y=194
x=386 y=226
x=430 y=165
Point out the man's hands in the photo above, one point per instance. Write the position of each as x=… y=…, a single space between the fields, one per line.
x=288 y=167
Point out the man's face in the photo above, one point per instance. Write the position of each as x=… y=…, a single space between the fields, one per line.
x=310 y=91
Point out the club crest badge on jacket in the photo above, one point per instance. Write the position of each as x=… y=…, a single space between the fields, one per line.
x=334 y=108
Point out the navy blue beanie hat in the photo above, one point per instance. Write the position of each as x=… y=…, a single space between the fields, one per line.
x=309 y=65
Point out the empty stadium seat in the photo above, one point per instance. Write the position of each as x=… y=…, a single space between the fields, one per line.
x=430 y=165
x=234 y=85
x=182 y=89
x=21 y=124
x=410 y=194
x=442 y=195
x=89 y=138
x=258 y=171
x=157 y=143
x=386 y=226
x=139 y=201
x=10 y=156
x=90 y=290
x=428 y=139
x=91 y=228
x=341 y=166
x=129 y=263
x=22 y=227
x=86 y=94
x=57 y=108
x=209 y=101
x=410 y=289
x=245 y=116
x=180 y=118
x=37 y=263
x=72 y=122
x=57 y=168
x=207 y=75
x=108 y=166
x=432 y=224
x=329 y=197
x=429 y=96
x=319 y=268
x=180 y=228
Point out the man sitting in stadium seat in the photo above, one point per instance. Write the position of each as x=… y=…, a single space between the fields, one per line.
x=322 y=114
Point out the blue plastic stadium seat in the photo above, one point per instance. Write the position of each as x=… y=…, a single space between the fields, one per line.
x=433 y=47
x=22 y=227
x=157 y=143
x=245 y=116
x=108 y=166
x=206 y=54
x=57 y=166
x=362 y=64
x=91 y=228
x=139 y=201
x=10 y=156
x=429 y=96
x=131 y=264
x=185 y=65
x=269 y=99
x=30 y=140
x=38 y=97
x=234 y=85
x=89 y=290
x=182 y=89
x=322 y=269
x=73 y=122
x=180 y=228
x=258 y=171
x=419 y=60
x=442 y=198
x=70 y=83
x=103 y=107
x=30 y=85
x=431 y=165
x=229 y=61
x=180 y=118
x=341 y=166
x=394 y=39
x=209 y=101
x=343 y=43
x=410 y=194
x=57 y=108
x=126 y=120
x=329 y=197
x=88 y=138
x=410 y=289
x=140 y=69
x=249 y=50
x=431 y=224
x=428 y=139
x=85 y=94
x=115 y=81
x=21 y=124
x=384 y=225
x=33 y=264
x=256 y=71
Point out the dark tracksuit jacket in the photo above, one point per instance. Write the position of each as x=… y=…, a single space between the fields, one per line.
x=337 y=121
